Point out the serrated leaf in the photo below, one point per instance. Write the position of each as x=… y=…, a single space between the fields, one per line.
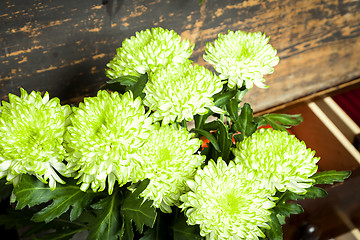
x=209 y=136
x=127 y=80
x=108 y=224
x=275 y=231
x=183 y=231
x=315 y=192
x=286 y=209
x=311 y=192
x=64 y=198
x=127 y=232
x=137 y=210
x=30 y=192
x=138 y=88
x=245 y=123
x=329 y=177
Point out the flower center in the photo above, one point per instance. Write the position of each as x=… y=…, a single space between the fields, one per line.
x=232 y=203
x=163 y=157
x=244 y=53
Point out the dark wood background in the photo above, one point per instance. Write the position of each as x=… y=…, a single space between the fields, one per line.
x=63 y=46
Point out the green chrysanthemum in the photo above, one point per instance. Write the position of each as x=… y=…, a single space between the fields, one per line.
x=168 y=159
x=148 y=51
x=31 y=137
x=279 y=157
x=228 y=202
x=106 y=132
x=180 y=91
x=242 y=58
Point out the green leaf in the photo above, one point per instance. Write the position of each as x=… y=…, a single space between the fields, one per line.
x=213 y=125
x=275 y=231
x=314 y=192
x=286 y=120
x=311 y=192
x=137 y=210
x=329 y=177
x=138 y=88
x=108 y=223
x=64 y=198
x=34 y=230
x=127 y=80
x=31 y=192
x=127 y=232
x=5 y=189
x=279 y=121
x=223 y=140
x=160 y=229
x=14 y=218
x=200 y=119
x=245 y=124
x=65 y=234
x=221 y=99
x=183 y=231
x=286 y=209
x=209 y=136
x=233 y=109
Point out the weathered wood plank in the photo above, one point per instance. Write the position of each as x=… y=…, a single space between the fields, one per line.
x=62 y=47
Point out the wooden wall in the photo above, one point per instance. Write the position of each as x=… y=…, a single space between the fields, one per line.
x=63 y=46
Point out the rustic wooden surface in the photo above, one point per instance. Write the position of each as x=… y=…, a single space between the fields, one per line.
x=62 y=46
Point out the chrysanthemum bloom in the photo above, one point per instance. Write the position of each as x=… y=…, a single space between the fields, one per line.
x=168 y=159
x=278 y=157
x=228 y=202
x=31 y=137
x=180 y=91
x=105 y=132
x=148 y=51
x=242 y=58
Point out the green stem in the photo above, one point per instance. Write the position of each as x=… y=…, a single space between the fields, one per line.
x=183 y=124
x=281 y=197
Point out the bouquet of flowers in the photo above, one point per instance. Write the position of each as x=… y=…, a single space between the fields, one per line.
x=166 y=150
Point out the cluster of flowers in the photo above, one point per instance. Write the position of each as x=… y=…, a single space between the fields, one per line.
x=111 y=138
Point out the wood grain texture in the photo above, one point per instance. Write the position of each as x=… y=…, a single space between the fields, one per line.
x=63 y=46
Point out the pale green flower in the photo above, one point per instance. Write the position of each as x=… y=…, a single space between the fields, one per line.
x=242 y=58
x=180 y=91
x=31 y=137
x=105 y=133
x=228 y=202
x=148 y=51
x=168 y=159
x=279 y=157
